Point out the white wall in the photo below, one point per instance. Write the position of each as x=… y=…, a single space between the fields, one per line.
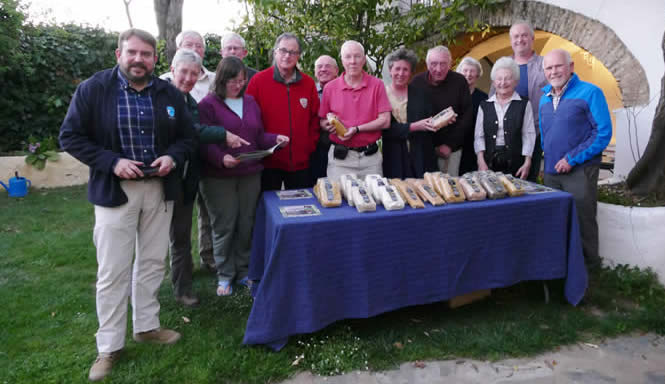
x=640 y=25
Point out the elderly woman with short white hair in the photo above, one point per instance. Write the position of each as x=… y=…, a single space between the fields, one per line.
x=185 y=68
x=505 y=134
x=471 y=69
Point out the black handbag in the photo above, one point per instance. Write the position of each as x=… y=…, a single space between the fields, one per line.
x=500 y=161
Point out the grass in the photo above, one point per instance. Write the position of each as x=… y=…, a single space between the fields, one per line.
x=48 y=322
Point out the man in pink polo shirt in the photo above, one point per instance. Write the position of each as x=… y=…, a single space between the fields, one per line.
x=360 y=102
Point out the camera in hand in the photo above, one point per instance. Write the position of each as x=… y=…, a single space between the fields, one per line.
x=149 y=171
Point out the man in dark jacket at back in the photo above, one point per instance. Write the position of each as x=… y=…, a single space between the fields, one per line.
x=446 y=88
x=134 y=132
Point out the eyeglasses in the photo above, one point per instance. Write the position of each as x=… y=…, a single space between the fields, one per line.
x=236 y=82
x=231 y=48
x=189 y=45
x=285 y=52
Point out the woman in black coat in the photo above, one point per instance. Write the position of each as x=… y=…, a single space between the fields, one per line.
x=472 y=71
x=408 y=150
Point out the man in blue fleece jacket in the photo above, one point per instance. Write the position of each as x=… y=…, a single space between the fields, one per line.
x=575 y=127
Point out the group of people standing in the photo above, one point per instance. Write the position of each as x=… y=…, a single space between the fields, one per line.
x=154 y=150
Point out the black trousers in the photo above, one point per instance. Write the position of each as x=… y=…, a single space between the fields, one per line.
x=272 y=179
x=318 y=161
x=536 y=159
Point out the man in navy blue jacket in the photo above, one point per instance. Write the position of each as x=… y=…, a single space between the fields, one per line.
x=135 y=133
x=575 y=127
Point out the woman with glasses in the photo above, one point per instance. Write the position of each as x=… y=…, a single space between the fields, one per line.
x=185 y=70
x=231 y=188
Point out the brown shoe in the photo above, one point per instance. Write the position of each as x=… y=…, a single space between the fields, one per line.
x=158 y=336
x=187 y=300
x=102 y=366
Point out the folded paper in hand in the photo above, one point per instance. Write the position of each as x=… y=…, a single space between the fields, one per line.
x=255 y=155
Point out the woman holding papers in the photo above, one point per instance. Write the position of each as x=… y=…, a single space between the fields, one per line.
x=231 y=187
x=185 y=70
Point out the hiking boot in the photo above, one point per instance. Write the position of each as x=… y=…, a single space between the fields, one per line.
x=158 y=336
x=188 y=300
x=102 y=366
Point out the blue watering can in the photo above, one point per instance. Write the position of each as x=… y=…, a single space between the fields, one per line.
x=18 y=186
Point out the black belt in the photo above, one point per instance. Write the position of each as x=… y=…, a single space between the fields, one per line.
x=371 y=148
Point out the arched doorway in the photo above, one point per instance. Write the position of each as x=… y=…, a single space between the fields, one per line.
x=590 y=35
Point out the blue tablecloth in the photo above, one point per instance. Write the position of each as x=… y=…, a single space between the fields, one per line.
x=343 y=264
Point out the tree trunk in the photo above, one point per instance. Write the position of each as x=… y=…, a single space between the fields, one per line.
x=169 y=23
x=648 y=175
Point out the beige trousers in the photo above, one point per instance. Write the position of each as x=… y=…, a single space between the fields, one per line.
x=451 y=164
x=132 y=243
x=356 y=163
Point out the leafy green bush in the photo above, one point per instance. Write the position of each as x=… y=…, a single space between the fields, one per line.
x=38 y=86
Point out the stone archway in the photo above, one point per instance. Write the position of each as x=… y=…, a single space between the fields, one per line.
x=587 y=33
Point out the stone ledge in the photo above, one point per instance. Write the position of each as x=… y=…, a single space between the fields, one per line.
x=67 y=171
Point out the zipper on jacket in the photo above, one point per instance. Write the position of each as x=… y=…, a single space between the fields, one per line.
x=288 y=101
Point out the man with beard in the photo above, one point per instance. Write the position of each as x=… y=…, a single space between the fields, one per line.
x=135 y=134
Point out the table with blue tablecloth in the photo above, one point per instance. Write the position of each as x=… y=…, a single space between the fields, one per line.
x=313 y=271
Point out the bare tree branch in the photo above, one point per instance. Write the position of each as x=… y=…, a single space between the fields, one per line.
x=129 y=17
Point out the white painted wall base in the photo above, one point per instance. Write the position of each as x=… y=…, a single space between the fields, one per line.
x=65 y=172
x=632 y=235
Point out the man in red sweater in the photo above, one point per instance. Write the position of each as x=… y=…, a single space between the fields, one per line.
x=289 y=106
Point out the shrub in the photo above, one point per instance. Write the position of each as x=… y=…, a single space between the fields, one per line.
x=38 y=87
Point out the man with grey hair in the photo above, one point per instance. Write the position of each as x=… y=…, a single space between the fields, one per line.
x=447 y=88
x=194 y=41
x=234 y=45
x=532 y=80
x=325 y=70
x=289 y=104
x=360 y=102
x=576 y=127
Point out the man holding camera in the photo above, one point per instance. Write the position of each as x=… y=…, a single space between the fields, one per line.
x=359 y=101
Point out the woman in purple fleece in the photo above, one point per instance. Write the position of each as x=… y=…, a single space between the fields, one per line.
x=229 y=187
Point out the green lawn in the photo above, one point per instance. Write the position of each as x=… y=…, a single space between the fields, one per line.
x=48 y=321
